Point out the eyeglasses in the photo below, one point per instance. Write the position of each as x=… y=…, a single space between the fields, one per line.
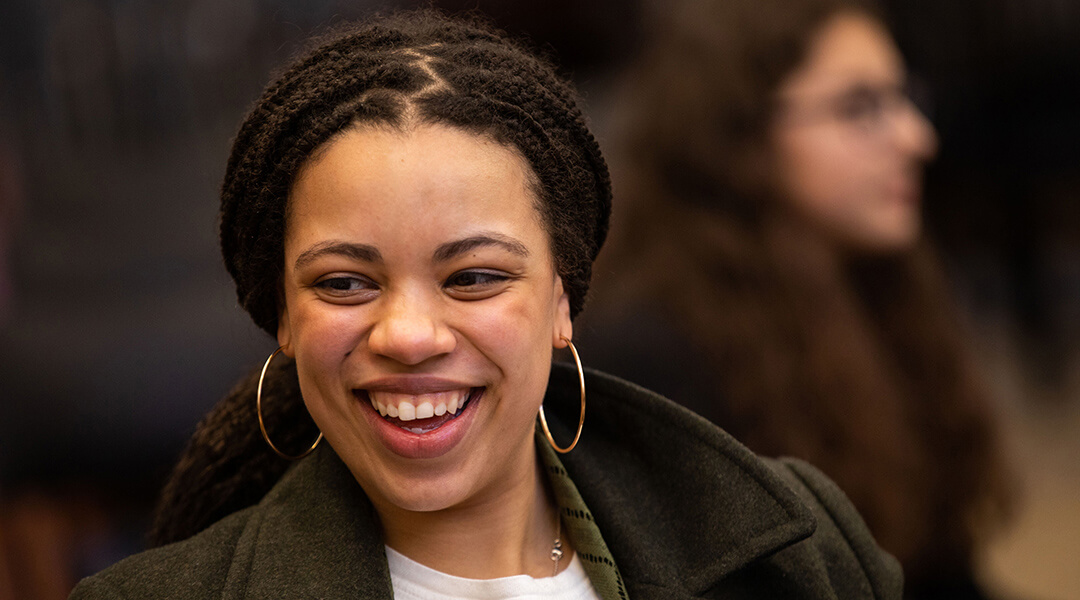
x=864 y=107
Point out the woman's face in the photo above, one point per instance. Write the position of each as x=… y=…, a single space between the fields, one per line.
x=849 y=145
x=422 y=305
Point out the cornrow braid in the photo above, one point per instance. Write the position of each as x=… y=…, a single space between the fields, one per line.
x=412 y=68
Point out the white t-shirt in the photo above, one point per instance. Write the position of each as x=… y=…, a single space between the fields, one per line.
x=414 y=581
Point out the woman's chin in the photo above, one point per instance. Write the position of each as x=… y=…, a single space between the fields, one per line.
x=426 y=500
x=896 y=234
x=427 y=492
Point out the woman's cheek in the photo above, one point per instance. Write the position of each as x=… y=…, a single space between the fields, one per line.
x=506 y=325
x=327 y=328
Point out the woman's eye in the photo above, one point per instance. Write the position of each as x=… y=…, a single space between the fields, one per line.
x=869 y=106
x=862 y=105
x=342 y=286
x=471 y=281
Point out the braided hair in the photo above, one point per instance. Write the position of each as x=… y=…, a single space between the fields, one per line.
x=407 y=69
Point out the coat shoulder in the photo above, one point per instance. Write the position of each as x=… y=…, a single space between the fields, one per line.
x=854 y=562
x=193 y=569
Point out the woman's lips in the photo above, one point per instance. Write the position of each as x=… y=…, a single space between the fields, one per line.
x=426 y=425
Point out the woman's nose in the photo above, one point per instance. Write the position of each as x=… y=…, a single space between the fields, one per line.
x=914 y=135
x=411 y=330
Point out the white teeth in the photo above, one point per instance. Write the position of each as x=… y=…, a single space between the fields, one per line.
x=407 y=407
x=415 y=429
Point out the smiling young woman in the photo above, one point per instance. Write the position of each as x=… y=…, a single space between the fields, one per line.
x=413 y=210
x=449 y=298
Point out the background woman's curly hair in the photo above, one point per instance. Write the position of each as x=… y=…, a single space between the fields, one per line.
x=858 y=366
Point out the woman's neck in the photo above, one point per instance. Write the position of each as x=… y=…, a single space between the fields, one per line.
x=509 y=531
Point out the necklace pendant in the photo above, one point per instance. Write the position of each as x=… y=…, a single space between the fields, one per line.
x=556 y=551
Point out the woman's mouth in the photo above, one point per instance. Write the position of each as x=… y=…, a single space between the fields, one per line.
x=420 y=413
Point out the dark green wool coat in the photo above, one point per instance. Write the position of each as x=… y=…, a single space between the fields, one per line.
x=685 y=510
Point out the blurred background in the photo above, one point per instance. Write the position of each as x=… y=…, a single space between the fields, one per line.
x=119 y=327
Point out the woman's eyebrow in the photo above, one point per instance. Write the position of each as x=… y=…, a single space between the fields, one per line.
x=456 y=248
x=359 y=252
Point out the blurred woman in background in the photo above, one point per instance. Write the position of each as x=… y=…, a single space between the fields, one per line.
x=777 y=281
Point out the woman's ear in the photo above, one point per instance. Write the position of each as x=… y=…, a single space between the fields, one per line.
x=562 y=327
x=284 y=333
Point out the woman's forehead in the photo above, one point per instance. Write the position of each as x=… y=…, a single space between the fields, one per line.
x=374 y=152
x=848 y=47
x=425 y=179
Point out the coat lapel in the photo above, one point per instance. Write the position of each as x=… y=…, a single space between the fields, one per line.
x=316 y=536
x=672 y=494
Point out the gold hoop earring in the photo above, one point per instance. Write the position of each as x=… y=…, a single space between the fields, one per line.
x=262 y=426
x=581 y=420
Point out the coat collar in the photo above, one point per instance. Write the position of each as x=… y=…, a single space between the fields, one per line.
x=314 y=535
x=679 y=502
